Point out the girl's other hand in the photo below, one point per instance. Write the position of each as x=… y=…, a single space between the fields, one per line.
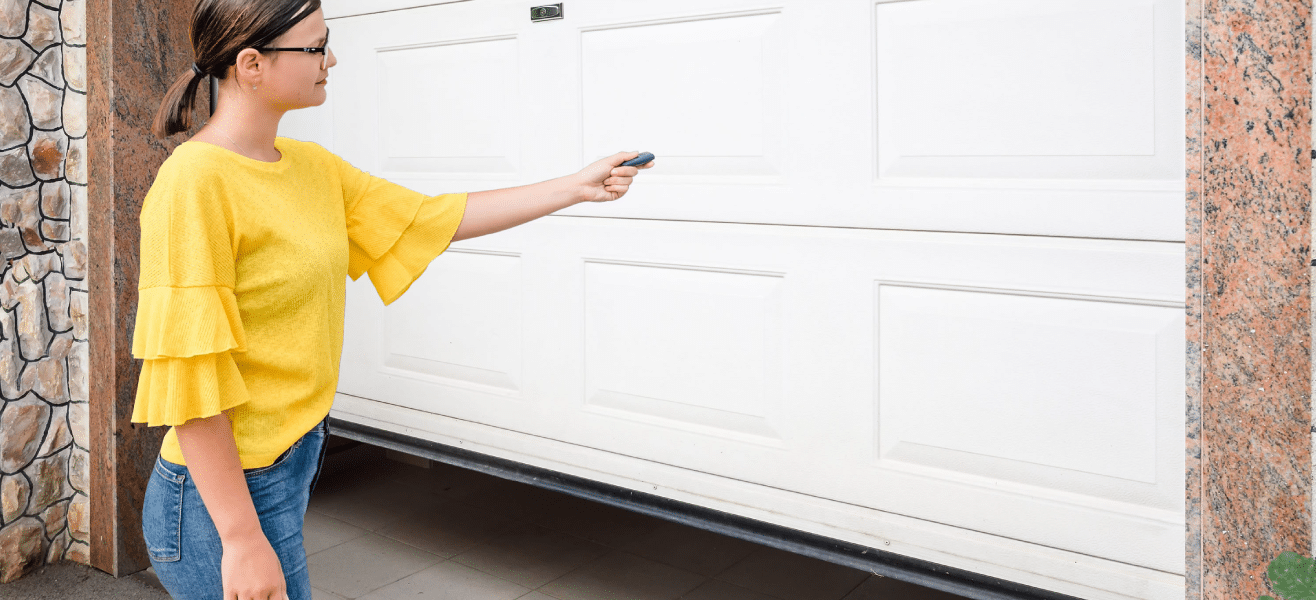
x=251 y=570
x=606 y=180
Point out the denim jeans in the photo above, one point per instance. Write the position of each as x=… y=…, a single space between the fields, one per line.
x=184 y=545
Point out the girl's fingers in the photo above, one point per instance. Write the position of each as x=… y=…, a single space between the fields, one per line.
x=624 y=172
x=617 y=181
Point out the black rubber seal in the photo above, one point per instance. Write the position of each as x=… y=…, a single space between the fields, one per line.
x=919 y=572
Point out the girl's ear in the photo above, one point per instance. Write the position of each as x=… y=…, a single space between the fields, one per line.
x=250 y=67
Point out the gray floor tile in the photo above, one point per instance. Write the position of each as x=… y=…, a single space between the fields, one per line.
x=531 y=555
x=622 y=575
x=448 y=529
x=361 y=465
x=877 y=587
x=366 y=563
x=372 y=505
x=793 y=577
x=518 y=500
x=322 y=532
x=691 y=549
x=597 y=522
x=714 y=589
x=447 y=480
x=449 y=581
x=319 y=594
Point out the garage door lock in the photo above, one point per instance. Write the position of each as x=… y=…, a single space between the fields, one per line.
x=547 y=12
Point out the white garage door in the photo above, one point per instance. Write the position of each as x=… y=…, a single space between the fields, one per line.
x=909 y=274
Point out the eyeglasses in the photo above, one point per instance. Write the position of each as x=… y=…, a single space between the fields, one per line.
x=323 y=51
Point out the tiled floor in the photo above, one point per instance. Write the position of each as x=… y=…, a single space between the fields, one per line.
x=380 y=529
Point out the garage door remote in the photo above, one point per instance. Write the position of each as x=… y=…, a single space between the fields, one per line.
x=642 y=159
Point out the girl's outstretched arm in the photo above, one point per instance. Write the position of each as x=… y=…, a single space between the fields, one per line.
x=496 y=210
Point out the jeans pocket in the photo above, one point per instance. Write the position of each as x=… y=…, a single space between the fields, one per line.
x=283 y=458
x=162 y=514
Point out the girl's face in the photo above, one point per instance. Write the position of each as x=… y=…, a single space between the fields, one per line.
x=298 y=79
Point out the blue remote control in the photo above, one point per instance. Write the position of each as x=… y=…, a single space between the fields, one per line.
x=642 y=159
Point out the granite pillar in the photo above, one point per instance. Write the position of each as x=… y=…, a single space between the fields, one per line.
x=1248 y=238
x=1193 y=301
x=135 y=52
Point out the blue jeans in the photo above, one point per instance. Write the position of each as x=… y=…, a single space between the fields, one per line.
x=184 y=545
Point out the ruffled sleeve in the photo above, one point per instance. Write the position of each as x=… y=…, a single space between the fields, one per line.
x=393 y=232
x=188 y=324
x=181 y=322
x=173 y=391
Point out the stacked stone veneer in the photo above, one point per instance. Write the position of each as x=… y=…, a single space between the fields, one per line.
x=43 y=286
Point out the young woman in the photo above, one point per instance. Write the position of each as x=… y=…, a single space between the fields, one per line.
x=247 y=239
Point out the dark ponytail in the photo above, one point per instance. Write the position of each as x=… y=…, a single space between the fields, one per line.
x=175 y=113
x=220 y=30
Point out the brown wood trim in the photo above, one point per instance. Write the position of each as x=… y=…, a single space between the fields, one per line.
x=135 y=50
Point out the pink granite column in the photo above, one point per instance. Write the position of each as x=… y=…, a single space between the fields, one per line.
x=135 y=51
x=1193 y=301
x=1249 y=237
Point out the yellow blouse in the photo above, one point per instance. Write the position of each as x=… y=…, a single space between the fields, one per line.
x=243 y=275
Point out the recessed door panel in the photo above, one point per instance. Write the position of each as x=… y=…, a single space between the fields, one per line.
x=684 y=347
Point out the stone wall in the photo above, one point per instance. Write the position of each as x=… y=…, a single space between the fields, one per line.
x=43 y=289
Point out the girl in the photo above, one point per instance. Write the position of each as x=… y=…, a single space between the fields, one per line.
x=247 y=239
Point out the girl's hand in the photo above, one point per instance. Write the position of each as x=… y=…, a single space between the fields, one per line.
x=605 y=180
x=251 y=570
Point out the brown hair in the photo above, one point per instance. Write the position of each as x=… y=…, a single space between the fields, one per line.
x=220 y=30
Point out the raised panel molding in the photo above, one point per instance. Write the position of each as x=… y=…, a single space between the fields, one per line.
x=690 y=348
x=1061 y=392
x=1026 y=89
x=710 y=99
x=460 y=325
x=1018 y=78
x=450 y=107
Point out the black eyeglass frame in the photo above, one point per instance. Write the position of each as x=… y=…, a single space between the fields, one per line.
x=322 y=50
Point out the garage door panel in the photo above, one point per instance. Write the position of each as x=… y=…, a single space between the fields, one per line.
x=709 y=102
x=432 y=93
x=1016 y=78
x=745 y=129
x=456 y=342
x=695 y=348
x=1030 y=117
x=450 y=107
x=952 y=375
x=1021 y=319
x=461 y=324
x=1054 y=392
